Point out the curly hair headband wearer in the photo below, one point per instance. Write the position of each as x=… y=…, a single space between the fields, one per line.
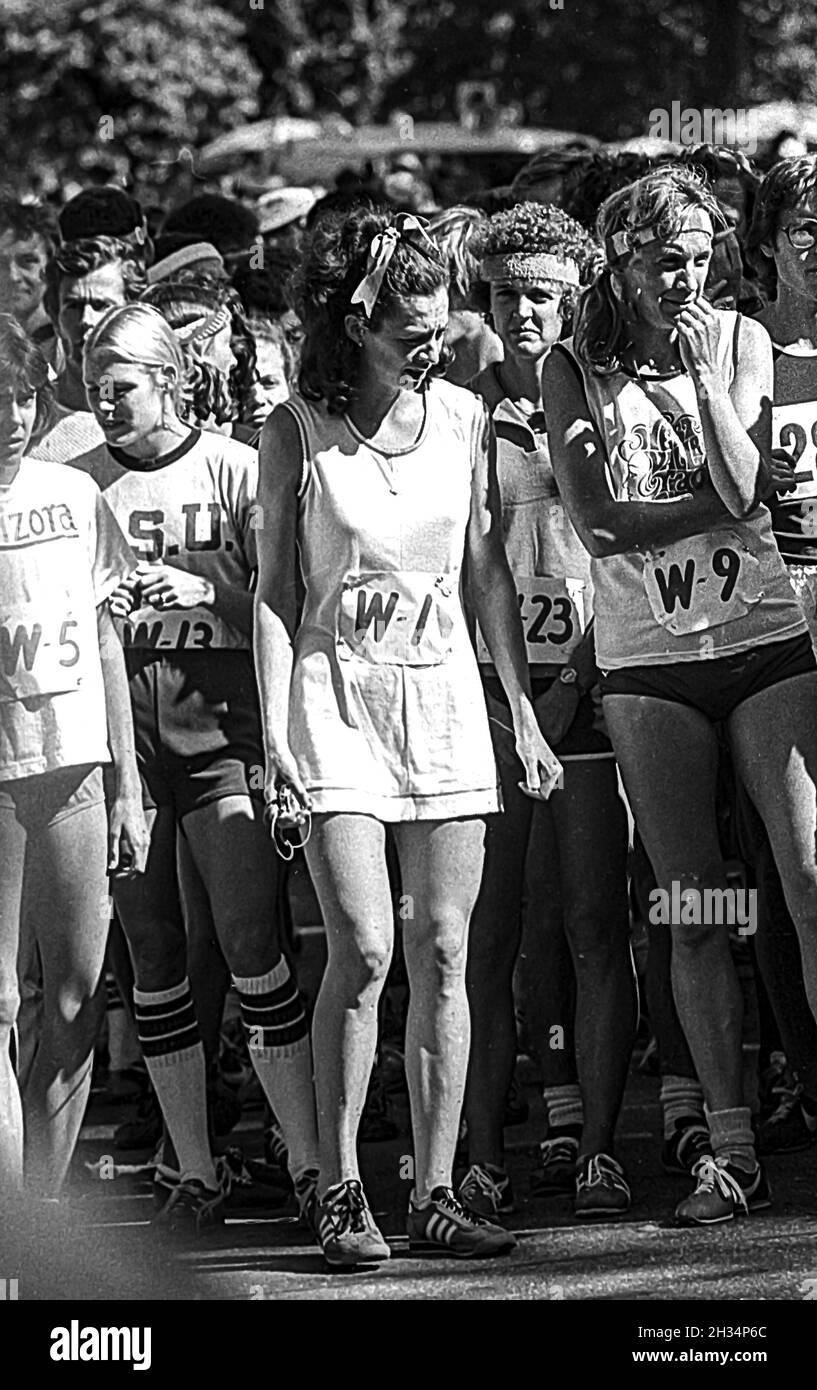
x=519 y=265
x=381 y=251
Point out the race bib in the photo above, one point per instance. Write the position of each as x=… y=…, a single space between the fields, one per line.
x=39 y=654
x=794 y=428
x=553 y=616
x=191 y=629
x=702 y=582
x=401 y=619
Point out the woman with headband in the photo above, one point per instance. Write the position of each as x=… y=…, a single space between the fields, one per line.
x=378 y=488
x=532 y=261
x=660 y=434
x=185 y=498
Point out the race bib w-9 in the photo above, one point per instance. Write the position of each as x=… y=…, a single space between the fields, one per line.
x=553 y=616
x=404 y=618
x=702 y=582
x=189 y=629
x=794 y=428
x=39 y=654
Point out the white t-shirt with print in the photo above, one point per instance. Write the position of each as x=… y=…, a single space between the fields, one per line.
x=62 y=554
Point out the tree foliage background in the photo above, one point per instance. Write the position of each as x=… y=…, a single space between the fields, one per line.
x=150 y=77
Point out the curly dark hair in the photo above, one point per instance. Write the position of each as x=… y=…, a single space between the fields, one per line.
x=27 y=220
x=77 y=258
x=789 y=182
x=333 y=263
x=182 y=303
x=24 y=370
x=535 y=228
x=591 y=181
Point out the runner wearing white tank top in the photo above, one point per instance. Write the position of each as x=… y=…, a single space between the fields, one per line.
x=383 y=487
x=660 y=438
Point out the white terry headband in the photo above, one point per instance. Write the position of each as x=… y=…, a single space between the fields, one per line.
x=533 y=265
x=206 y=327
x=166 y=268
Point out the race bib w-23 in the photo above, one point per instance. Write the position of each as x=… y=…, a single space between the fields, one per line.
x=39 y=654
x=554 y=616
x=702 y=582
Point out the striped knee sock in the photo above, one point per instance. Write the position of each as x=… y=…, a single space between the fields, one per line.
x=169 y=1034
x=564 y=1106
x=681 y=1099
x=278 y=1042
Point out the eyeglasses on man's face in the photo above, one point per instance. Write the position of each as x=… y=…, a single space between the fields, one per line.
x=801 y=235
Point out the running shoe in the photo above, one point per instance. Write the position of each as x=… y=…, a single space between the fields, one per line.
x=601 y=1187
x=145 y=1130
x=555 y=1172
x=723 y=1192
x=789 y=1129
x=306 y=1195
x=346 y=1229
x=446 y=1227
x=486 y=1191
x=684 y=1148
x=191 y=1209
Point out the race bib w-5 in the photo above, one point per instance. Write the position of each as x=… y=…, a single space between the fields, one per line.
x=702 y=582
x=554 y=616
x=405 y=618
x=40 y=654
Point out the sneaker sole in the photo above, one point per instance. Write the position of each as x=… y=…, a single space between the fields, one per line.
x=763 y=1205
x=602 y=1211
x=351 y=1259
x=430 y=1247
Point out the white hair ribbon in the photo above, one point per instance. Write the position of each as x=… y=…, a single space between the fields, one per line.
x=382 y=249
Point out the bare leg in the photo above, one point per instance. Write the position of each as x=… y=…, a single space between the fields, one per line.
x=67 y=863
x=592 y=831
x=668 y=758
x=12 y=858
x=441 y=863
x=347 y=862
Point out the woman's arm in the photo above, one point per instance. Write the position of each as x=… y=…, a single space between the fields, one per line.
x=166 y=586
x=605 y=526
x=736 y=422
x=494 y=598
x=276 y=595
x=127 y=832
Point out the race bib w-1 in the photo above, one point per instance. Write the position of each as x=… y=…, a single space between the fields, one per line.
x=794 y=428
x=554 y=616
x=39 y=654
x=702 y=582
x=405 y=618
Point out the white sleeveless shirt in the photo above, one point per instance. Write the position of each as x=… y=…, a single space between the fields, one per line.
x=387 y=715
x=712 y=595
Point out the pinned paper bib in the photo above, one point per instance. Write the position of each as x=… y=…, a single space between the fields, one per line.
x=794 y=428
x=40 y=654
x=554 y=616
x=404 y=618
x=702 y=582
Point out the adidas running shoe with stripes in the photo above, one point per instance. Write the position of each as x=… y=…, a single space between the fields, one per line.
x=445 y=1227
x=346 y=1229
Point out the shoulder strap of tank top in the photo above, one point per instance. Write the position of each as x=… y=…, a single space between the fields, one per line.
x=297 y=409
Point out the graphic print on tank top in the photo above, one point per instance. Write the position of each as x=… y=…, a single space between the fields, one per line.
x=706 y=580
